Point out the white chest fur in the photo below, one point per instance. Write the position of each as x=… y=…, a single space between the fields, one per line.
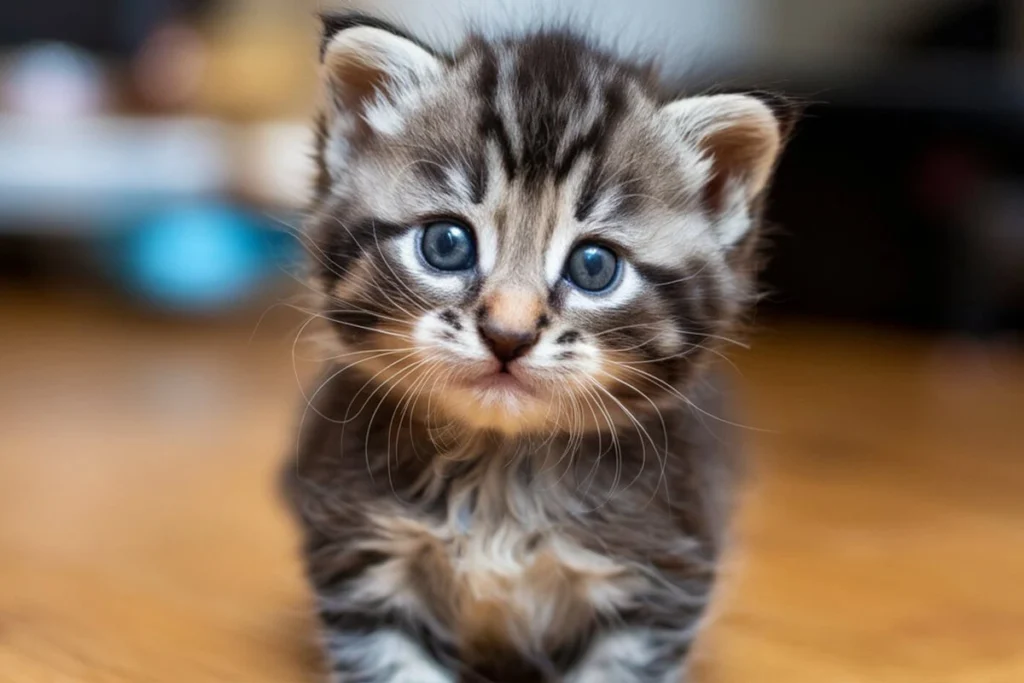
x=513 y=578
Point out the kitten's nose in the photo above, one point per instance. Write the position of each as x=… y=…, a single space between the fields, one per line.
x=506 y=344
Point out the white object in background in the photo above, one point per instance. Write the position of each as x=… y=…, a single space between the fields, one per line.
x=277 y=166
x=79 y=171
x=54 y=81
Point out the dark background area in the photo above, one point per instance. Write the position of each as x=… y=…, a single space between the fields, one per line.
x=116 y=28
x=899 y=198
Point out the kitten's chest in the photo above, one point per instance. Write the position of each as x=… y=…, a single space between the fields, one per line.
x=500 y=574
x=516 y=578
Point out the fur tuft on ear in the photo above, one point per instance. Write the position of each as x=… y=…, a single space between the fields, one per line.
x=373 y=73
x=333 y=23
x=739 y=135
x=787 y=110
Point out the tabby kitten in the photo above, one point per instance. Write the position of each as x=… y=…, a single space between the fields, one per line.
x=510 y=471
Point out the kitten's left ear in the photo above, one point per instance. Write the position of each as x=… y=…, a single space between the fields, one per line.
x=738 y=134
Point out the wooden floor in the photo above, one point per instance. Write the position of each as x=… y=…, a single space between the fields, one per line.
x=881 y=539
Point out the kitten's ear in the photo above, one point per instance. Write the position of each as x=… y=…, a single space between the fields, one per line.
x=370 y=70
x=738 y=134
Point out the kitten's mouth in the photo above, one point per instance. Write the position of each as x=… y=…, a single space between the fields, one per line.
x=502 y=380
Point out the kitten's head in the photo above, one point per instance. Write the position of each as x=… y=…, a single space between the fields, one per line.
x=521 y=236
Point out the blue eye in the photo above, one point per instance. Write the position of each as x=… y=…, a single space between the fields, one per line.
x=592 y=268
x=448 y=246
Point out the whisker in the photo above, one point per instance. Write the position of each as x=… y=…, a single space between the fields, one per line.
x=641 y=430
x=310 y=399
x=372 y=264
x=373 y=393
x=675 y=392
x=664 y=429
x=395 y=380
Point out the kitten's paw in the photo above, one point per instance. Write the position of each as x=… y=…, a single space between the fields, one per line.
x=384 y=658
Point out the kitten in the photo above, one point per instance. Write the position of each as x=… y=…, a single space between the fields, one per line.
x=510 y=471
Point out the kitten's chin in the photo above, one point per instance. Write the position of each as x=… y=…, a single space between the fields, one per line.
x=498 y=403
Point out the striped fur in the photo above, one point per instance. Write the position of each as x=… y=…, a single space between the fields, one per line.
x=459 y=532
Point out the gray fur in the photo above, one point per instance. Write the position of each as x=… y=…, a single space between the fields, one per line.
x=456 y=534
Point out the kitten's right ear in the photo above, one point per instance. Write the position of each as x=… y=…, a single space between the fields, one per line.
x=372 y=71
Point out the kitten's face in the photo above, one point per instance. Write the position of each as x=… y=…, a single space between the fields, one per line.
x=522 y=238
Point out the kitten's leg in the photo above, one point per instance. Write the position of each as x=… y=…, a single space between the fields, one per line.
x=633 y=656
x=382 y=656
x=369 y=636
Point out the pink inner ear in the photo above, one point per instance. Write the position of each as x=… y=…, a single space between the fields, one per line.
x=352 y=83
x=742 y=151
x=740 y=137
x=364 y=62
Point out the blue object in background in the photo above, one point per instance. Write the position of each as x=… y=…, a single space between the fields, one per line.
x=201 y=258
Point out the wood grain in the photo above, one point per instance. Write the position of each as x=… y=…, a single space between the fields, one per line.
x=881 y=537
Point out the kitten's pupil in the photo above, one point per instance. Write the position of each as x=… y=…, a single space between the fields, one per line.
x=593 y=262
x=592 y=268
x=447 y=243
x=448 y=246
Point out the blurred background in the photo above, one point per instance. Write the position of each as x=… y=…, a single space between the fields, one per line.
x=154 y=164
x=161 y=142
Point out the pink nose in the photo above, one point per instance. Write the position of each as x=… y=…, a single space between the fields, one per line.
x=505 y=344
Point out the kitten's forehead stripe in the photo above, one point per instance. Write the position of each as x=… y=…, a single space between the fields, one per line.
x=558 y=113
x=612 y=109
x=549 y=100
x=476 y=173
x=433 y=170
x=491 y=124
